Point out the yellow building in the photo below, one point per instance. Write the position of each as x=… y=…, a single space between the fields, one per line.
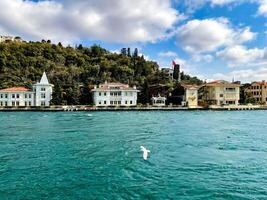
x=221 y=93
x=257 y=91
x=191 y=95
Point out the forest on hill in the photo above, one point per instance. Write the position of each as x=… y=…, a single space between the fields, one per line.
x=74 y=71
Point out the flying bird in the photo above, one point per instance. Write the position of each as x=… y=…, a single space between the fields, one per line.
x=145 y=152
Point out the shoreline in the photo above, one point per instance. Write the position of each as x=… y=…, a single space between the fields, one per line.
x=148 y=108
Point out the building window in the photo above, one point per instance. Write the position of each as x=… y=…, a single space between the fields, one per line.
x=126 y=102
x=131 y=102
x=43 y=96
x=105 y=102
x=230 y=89
x=111 y=102
x=1 y=103
x=30 y=103
x=13 y=103
x=119 y=102
x=105 y=94
x=6 y=103
x=13 y=96
x=42 y=103
x=17 y=103
x=6 y=96
x=17 y=96
x=221 y=95
x=30 y=96
x=1 y=96
x=25 y=103
x=43 y=89
x=99 y=94
x=99 y=102
x=26 y=96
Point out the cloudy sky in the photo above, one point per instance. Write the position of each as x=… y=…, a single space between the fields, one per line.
x=213 y=39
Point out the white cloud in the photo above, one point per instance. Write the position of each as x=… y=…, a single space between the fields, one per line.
x=247 y=75
x=193 y=5
x=202 y=58
x=222 y=2
x=262 y=7
x=167 y=54
x=107 y=20
x=242 y=56
x=198 y=36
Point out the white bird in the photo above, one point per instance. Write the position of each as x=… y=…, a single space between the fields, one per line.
x=145 y=152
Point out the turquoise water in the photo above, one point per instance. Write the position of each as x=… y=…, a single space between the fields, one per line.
x=194 y=155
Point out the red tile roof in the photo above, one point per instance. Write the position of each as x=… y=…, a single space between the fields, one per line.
x=15 y=89
x=260 y=83
x=221 y=82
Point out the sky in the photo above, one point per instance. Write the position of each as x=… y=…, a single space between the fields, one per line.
x=211 y=39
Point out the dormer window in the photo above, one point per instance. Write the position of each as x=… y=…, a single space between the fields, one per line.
x=43 y=89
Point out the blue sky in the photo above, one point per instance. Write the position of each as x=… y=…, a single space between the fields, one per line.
x=212 y=39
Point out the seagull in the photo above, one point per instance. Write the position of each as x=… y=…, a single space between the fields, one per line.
x=145 y=152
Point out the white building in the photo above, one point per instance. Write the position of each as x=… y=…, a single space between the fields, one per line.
x=10 y=38
x=114 y=94
x=167 y=71
x=158 y=101
x=21 y=96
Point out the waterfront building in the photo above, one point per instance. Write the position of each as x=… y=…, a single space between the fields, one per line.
x=257 y=91
x=220 y=93
x=114 y=94
x=10 y=38
x=158 y=101
x=40 y=95
x=191 y=95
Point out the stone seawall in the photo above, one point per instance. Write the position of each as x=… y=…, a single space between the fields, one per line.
x=145 y=108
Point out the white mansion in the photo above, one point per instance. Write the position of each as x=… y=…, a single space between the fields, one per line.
x=21 y=96
x=114 y=94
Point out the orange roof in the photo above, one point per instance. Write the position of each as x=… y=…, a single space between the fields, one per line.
x=221 y=82
x=15 y=89
x=260 y=83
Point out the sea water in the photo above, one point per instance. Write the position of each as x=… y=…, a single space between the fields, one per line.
x=96 y=155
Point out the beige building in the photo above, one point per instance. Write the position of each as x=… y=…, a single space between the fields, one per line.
x=221 y=93
x=257 y=91
x=191 y=95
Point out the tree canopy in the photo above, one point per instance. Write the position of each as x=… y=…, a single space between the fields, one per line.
x=74 y=71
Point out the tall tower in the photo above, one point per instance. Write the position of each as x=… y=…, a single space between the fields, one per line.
x=176 y=72
x=43 y=92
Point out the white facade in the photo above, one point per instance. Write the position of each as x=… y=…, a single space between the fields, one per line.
x=9 y=38
x=23 y=97
x=158 y=101
x=114 y=94
x=43 y=92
